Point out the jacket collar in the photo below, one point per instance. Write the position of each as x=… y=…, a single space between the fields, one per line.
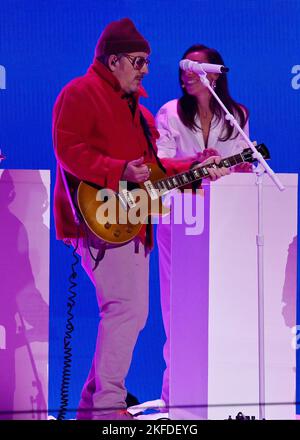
x=106 y=75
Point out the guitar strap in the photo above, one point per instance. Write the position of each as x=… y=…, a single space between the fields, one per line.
x=151 y=149
x=147 y=133
x=145 y=126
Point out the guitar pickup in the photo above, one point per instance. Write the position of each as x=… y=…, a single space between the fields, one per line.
x=128 y=198
x=151 y=190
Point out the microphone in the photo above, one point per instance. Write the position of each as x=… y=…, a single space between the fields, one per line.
x=193 y=66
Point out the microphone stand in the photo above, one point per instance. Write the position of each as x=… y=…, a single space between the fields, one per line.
x=261 y=168
x=39 y=398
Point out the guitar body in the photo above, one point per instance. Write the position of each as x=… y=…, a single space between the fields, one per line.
x=116 y=222
x=117 y=218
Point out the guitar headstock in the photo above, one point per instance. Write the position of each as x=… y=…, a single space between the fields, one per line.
x=247 y=153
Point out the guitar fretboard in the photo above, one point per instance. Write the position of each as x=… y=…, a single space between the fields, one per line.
x=182 y=179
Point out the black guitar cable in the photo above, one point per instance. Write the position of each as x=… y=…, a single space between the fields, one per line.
x=66 y=374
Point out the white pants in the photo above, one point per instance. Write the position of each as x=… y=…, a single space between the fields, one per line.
x=121 y=283
x=164 y=248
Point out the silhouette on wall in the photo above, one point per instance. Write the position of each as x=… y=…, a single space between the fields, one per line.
x=23 y=310
x=290 y=286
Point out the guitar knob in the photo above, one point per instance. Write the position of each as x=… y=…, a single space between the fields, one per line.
x=117 y=233
x=107 y=225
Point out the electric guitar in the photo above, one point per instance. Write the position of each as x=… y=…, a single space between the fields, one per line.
x=117 y=218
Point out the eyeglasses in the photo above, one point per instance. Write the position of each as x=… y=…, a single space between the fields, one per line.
x=137 y=62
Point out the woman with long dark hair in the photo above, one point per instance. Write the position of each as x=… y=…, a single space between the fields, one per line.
x=195 y=122
x=194 y=125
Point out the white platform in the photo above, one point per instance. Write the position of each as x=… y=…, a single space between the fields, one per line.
x=214 y=324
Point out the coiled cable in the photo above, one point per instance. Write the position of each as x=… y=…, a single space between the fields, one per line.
x=66 y=373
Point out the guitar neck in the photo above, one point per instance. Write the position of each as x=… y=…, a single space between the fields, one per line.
x=191 y=176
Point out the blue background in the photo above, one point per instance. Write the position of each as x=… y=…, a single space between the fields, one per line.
x=44 y=44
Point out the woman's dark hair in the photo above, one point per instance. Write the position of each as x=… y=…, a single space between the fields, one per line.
x=187 y=105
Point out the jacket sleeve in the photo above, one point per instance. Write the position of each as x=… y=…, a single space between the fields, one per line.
x=175 y=166
x=73 y=120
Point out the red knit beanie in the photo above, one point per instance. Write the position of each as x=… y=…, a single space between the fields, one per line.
x=119 y=37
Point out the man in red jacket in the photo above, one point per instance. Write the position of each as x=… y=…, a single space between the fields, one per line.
x=103 y=135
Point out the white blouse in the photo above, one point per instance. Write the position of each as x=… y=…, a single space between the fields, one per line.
x=177 y=140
